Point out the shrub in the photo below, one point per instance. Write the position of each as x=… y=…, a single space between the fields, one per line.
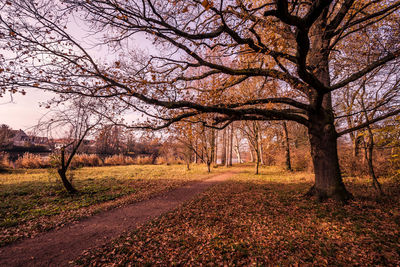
x=32 y=161
x=141 y=160
x=301 y=160
x=4 y=161
x=169 y=160
x=86 y=160
x=357 y=165
x=161 y=161
x=118 y=160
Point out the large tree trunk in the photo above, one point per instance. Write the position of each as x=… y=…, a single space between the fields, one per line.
x=321 y=129
x=323 y=141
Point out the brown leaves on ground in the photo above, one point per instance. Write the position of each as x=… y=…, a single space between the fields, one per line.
x=262 y=220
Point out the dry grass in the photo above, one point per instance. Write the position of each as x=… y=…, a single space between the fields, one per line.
x=118 y=160
x=32 y=161
x=143 y=160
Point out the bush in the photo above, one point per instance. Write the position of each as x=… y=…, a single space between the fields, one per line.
x=32 y=161
x=118 y=160
x=357 y=166
x=142 y=160
x=162 y=160
x=168 y=161
x=301 y=160
x=4 y=161
x=86 y=160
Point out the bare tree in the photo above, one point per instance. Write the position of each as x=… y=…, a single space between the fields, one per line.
x=79 y=118
x=251 y=130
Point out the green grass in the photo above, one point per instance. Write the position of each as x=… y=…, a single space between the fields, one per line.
x=265 y=220
x=34 y=200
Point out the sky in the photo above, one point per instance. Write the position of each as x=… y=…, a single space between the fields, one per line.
x=24 y=111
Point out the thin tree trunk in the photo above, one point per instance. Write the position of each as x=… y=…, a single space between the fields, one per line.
x=227 y=148
x=188 y=157
x=261 y=150
x=216 y=149
x=287 y=147
x=231 y=146
x=188 y=165
x=252 y=158
x=369 y=150
x=256 y=145
x=237 y=148
x=257 y=161
x=196 y=156
x=223 y=149
x=67 y=185
x=212 y=147
x=239 y=157
x=63 y=171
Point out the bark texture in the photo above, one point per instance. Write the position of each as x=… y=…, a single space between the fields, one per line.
x=328 y=179
x=321 y=129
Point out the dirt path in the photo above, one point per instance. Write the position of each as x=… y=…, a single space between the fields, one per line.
x=58 y=248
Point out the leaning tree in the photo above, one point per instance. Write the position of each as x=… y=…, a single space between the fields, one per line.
x=75 y=120
x=289 y=50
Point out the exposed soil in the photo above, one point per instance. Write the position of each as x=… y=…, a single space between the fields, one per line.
x=60 y=247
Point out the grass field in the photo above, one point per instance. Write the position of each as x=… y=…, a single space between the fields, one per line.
x=33 y=201
x=264 y=220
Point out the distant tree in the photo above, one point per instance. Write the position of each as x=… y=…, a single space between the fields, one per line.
x=251 y=130
x=110 y=139
x=6 y=134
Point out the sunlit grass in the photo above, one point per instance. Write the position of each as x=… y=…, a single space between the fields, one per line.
x=273 y=174
x=35 y=200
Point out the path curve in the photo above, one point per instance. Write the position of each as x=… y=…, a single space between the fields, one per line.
x=59 y=247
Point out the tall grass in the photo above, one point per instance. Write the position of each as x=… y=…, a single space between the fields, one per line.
x=32 y=161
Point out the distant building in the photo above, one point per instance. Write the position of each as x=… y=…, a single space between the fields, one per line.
x=87 y=146
x=20 y=138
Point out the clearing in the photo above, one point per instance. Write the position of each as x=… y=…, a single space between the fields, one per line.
x=59 y=247
x=34 y=201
